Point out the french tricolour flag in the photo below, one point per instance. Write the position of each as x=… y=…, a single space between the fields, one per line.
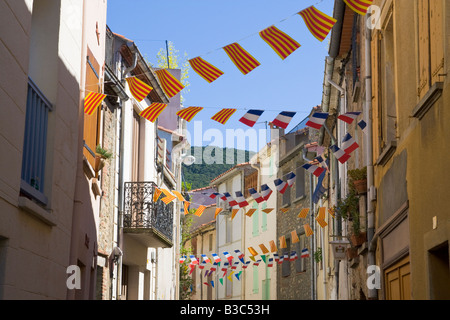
x=340 y=154
x=193 y=259
x=240 y=199
x=228 y=256
x=349 y=117
x=363 y=126
x=305 y=253
x=214 y=195
x=265 y=191
x=290 y=178
x=255 y=195
x=251 y=117
x=240 y=255
x=315 y=170
x=321 y=161
x=205 y=258
x=280 y=185
x=230 y=199
x=349 y=144
x=216 y=258
x=317 y=120
x=283 y=119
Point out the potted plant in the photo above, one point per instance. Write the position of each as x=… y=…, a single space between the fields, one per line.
x=358 y=180
x=101 y=155
x=348 y=206
x=357 y=237
x=318 y=255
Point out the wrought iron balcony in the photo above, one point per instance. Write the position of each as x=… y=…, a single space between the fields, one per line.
x=147 y=221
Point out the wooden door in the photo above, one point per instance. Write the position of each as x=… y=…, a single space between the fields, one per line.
x=398 y=281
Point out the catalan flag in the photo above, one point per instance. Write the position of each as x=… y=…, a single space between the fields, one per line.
x=273 y=246
x=279 y=41
x=186 y=207
x=153 y=111
x=321 y=217
x=178 y=195
x=284 y=210
x=283 y=242
x=199 y=211
x=204 y=69
x=294 y=236
x=223 y=115
x=308 y=230
x=92 y=101
x=263 y=248
x=250 y=212
x=252 y=251
x=243 y=60
x=156 y=194
x=233 y=213
x=169 y=83
x=267 y=210
x=189 y=113
x=303 y=213
x=169 y=197
x=217 y=212
x=359 y=6
x=318 y=23
x=332 y=212
x=138 y=88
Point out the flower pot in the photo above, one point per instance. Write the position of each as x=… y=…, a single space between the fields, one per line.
x=360 y=186
x=358 y=239
x=99 y=163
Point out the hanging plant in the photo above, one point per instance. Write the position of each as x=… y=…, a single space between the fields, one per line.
x=101 y=155
x=318 y=255
x=358 y=180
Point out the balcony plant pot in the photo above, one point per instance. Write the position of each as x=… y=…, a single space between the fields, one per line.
x=360 y=186
x=358 y=239
x=99 y=163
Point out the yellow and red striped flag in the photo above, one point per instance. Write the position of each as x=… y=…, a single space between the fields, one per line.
x=204 y=69
x=138 y=88
x=321 y=217
x=169 y=197
x=283 y=242
x=169 y=83
x=233 y=213
x=153 y=111
x=178 y=195
x=294 y=236
x=359 y=6
x=156 y=194
x=318 y=23
x=252 y=251
x=267 y=210
x=92 y=101
x=243 y=60
x=284 y=210
x=308 y=230
x=186 y=207
x=217 y=212
x=332 y=212
x=279 y=41
x=273 y=246
x=223 y=115
x=250 y=212
x=199 y=211
x=263 y=248
x=303 y=213
x=189 y=113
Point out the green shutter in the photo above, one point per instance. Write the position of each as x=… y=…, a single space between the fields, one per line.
x=264 y=218
x=255 y=220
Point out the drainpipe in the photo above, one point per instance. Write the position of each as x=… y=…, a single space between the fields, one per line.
x=311 y=209
x=373 y=294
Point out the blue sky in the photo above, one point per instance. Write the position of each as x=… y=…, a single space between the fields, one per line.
x=203 y=27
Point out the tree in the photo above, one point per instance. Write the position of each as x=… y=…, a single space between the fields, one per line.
x=185 y=278
x=175 y=62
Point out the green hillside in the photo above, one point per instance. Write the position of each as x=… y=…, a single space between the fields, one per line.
x=200 y=174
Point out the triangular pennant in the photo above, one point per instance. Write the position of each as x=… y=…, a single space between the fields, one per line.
x=218 y=210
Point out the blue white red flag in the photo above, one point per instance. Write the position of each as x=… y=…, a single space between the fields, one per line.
x=340 y=154
x=251 y=117
x=216 y=258
x=193 y=259
x=294 y=256
x=230 y=199
x=228 y=256
x=317 y=120
x=255 y=195
x=349 y=144
x=315 y=170
x=257 y=262
x=182 y=259
x=322 y=162
x=266 y=191
x=349 y=117
x=270 y=264
x=363 y=126
x=214 y=195
x=245 y=265
x=305 y=253
x=240 y=255
x=280 y=185
x=290 y=178
x=205 y=258
x=283 y=119
x=240 y=199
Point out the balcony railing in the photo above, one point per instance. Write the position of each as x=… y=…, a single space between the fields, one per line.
x=140 y=212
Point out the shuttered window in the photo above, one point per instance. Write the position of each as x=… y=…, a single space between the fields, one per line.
x=35 y=144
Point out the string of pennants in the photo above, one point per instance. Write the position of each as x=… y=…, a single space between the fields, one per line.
x=318 y=23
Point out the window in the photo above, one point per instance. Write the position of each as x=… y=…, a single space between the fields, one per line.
x=251 y=181
x=136 y=148
x=228 y=222
x=439 y=275
x=264 y=217
x=266 y=289
x=255 y=279
x=287 y=194
x=35 y=144
x=430 y=44
x=91 y=122
x=286 y=265
x=210 y=242
x=300 y=263
x=299 y=181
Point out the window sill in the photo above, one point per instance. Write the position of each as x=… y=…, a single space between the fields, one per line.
x=37 y=211
x=299 y=199
x=433 y=94
x=387 y=153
